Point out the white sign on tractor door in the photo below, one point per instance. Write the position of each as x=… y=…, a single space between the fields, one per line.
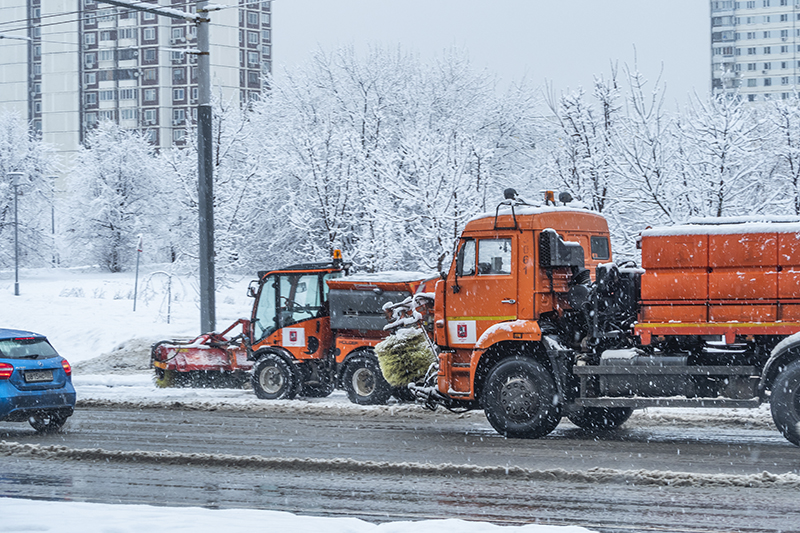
x=294 y=337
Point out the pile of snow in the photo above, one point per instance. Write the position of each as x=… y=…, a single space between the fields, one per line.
x=78 y=517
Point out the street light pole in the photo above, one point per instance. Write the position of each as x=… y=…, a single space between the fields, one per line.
x=205 y=170
x=15 y=178
x=52 y=180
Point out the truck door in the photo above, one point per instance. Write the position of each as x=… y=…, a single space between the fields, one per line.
x=484 y=290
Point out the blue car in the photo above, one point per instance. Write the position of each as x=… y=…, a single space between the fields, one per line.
x=35 y=382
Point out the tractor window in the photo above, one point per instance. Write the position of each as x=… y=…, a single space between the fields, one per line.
x=300 y=298
x=494 y=257
x=465 y=263
x=265 y=320
x=600 y=248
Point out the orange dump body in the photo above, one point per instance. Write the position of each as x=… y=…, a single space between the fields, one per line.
x=734 y=279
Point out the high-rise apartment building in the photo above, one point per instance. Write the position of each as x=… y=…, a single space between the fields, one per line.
x=67 y=64
x=755 y=48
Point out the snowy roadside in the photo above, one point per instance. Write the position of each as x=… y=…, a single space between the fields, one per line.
x=78 y=517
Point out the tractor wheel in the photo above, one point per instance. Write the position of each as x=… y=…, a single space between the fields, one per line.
x=46 y=422
x=364 y=383
x=274 y=378
x=600 y=417
x=520 y=399
x=785 y=402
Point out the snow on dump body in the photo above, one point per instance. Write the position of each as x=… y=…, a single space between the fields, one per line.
x=729 y=225
x=390 y=276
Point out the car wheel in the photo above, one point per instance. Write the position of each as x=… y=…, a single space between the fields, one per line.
x=274 y=378
x=46 y=422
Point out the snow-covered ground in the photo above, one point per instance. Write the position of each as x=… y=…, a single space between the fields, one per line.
x=72 y=517
x=88 y=316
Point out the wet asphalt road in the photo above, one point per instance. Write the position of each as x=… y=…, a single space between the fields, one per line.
x=428 y=438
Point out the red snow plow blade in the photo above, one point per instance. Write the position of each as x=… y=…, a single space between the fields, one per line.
x=210 y=360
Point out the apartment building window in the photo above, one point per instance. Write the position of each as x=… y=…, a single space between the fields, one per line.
x=89 y=59
x=784 y=96
x=176 y=56
x=784 y=18
x=177 y=34
x=252 y=17
x=751 y=35
x=150 y=55
x=89 y=38
x=105 y=35
x=194 y=93
x=106 y=95
x=784 y=49
x=178 y=116
x=194 y=114
x=766 y=3
x=767 y=82
x=784 y=64
x=267 y=50
x=90 y=78
x=148 y=16
x=126 y=33
x=178 y=75
x=751 y=98
x=252 y=78
x=785 y=80
x=149 y=116
x=106 y=115
x=127 y=114
x=106 y=55
x=91 y=119
x=265 y=19
x=37 y=69
x=252 y=59
x=751 y=66
x=266 y=35
x=766 y=35
x=193 y=31
x=149 y=95
x=766 y=19
x=178 y=95
x=784 y=2
x=751 y=4
x=767 y=66
x=252 y=37
x=767 y=50
x=90 y=98
x=178 y=135
x=149 y=34
x=150 y=74
x=37 y=107
x=127 y=94
x=751 y=20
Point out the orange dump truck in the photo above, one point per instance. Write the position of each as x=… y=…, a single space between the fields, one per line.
x=533 y=321
x=310 y=330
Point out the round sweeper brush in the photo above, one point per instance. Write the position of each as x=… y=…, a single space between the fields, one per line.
x=404 y=357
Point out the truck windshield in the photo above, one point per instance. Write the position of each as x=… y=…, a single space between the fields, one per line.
x=288 y=298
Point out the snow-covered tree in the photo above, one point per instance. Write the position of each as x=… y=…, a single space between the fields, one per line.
x=117 y=195
x=23 y=151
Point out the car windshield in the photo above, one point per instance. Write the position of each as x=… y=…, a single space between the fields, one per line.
x=26 y=348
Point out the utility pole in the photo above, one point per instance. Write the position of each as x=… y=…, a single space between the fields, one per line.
x=15 y=178
x=205 y=173
x=205 y=160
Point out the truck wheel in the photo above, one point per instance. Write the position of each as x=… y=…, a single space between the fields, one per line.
x=519 y=399
x=785 y=402
x=600 y=417
x=364 y=383
x=274 y=378
x=46 y=422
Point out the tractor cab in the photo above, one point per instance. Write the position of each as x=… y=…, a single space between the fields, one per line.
x=288 y=299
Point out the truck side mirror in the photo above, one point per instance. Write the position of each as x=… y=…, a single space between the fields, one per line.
x=554 y=252
x=252 y=289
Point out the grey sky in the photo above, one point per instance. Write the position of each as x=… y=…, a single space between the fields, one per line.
x=563 y=41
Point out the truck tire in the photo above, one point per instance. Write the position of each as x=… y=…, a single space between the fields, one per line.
x=364 y=383
x=274 y=378
x=519 y=399
x=785 y=402
x=600 y=417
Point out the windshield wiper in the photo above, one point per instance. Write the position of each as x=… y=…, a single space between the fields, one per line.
x=31 y=356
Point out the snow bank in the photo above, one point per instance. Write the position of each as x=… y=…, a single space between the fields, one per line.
x=355 y=467
x=78 y=517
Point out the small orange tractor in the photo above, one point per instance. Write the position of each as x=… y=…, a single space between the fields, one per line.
x=534 y=322
x=311 y=329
